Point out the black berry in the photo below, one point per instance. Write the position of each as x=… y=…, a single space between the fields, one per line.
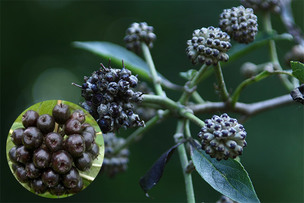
x=29 y=118
x=78 y=115
x=53 y=141
x=41 y=158
x=84 y=162
x=46 y=123
x=75 y=145
x=61 y=113
x=88 y=139
x=94 y=151
x=58 y=190
x=31 y=171
x=50 y=178
x=23 y=155
x=38 y=186
x=71 y=179
x=32 y=138
x=17 y=136
x=88 y=128
x=78 y=187
x=61 y=162
x=21 y=174
x=73 y=126
x=12 y=154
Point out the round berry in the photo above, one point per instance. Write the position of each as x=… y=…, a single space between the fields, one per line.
x=84 y=162
x=78 y=115
x=23 y=155
x=61 y=162
x=50 y=178
x=88 y=128
x=32 y=171
x=41 y=158
x=12 y=154
x=30 y=118
x=54 y=141
x=17 y=136
x=78 y=187
x=88 y=139
x=75 y=145
x=46 y=123
x=61 y=113
x=32 y=138
x=71 y=179
x=15 y=166
x=38 y=186
x=21 y=174
x=73 y=126
x=94 y=151
x=58 y=190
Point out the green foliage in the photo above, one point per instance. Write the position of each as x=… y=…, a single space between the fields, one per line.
x=226 y=176
x=298 y=70
x=46 y=107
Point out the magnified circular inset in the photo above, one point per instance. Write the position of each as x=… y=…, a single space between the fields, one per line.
x=55 y=149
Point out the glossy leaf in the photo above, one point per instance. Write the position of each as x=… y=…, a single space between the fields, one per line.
x=151 y=178
x=117 y=53
x=226 y=176
x=298 y=70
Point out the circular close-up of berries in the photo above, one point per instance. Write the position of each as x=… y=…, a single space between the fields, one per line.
x=55 y=149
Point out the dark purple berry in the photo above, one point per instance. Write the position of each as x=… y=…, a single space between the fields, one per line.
x=17 y=136
x=94 y=151
x=30 y=118
x=21 y=174
x=15 y=166
x=58 y=190
x=71 y=179
x=46 y=123
x=50 y=178
x=61 y=113
x=32 y=138
x=31 y=171
x=84 y=162
x=38 y=186
x=12 y=154
x=53 y=141
x=61 y=162
x=23 y=155
x=78 y=188
x=73 y=126
x=75 y=145
x=41 y=158
x=105 y=125
x=88 y=128
x=78 y=115
x=88 y=139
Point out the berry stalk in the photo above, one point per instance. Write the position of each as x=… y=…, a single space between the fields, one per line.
x=221 y=82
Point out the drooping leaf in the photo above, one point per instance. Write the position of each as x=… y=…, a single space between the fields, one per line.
x=188 y=75
x=298 y=70
x=151 y=178
x=117 y=53
x=46 y=107
x=226 y=176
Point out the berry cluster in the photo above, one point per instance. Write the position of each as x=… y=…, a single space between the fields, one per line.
x=48 y=160
x=137 y=33
x=114 y=163
x=208 y=45
x=240 y=23
x=222 y=137
x=109 y=97
x=264 y=5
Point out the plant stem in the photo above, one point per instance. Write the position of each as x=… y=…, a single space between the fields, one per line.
x=149 y=60
x=197 y=97
x=195 y=80
x=193 y=118
x=273 y=52
x=140 y=131
x=184 y=163
x=221 y=82
x=164 y=102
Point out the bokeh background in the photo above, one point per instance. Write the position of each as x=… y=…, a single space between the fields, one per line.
x=39 y=63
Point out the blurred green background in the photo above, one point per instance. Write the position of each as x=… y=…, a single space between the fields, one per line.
x=39 y=63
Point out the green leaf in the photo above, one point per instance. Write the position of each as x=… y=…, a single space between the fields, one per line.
x=226 y=176
x=117 y=53
x=46 y=107
x=298 y=70
x=189 y=74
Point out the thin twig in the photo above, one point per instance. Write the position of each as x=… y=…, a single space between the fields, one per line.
x=221 y=82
